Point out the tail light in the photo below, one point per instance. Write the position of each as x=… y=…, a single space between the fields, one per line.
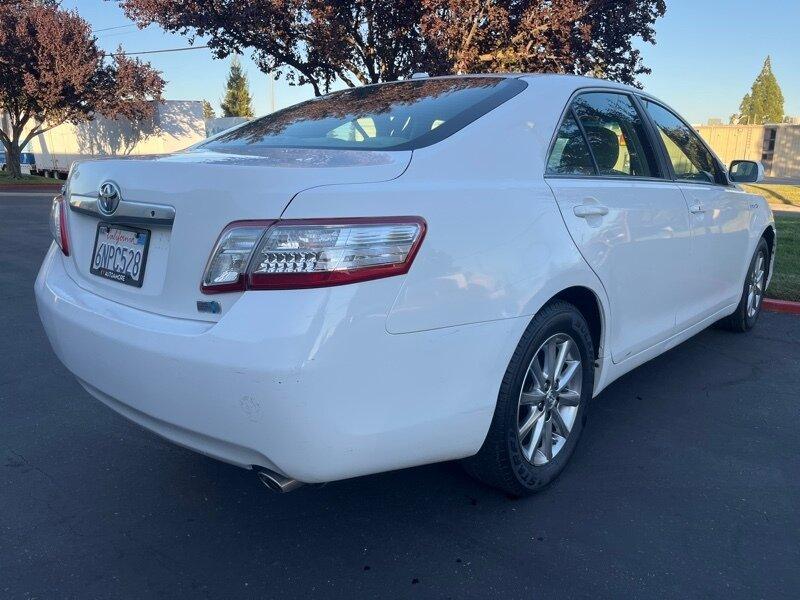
x=295 y=254
x=58 y=223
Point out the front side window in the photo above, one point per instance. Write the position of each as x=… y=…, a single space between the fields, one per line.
x=616 y=135
x=403 y=115
x=690 y=159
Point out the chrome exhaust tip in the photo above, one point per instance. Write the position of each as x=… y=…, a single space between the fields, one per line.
x=277 y=482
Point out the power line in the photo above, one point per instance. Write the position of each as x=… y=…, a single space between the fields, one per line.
x=116 y=33
x=116 y=27
x=158 y=51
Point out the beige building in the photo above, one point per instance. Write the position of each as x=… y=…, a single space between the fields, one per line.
x=776 y=146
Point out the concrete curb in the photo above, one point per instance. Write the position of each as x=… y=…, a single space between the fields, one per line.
x=782 y=306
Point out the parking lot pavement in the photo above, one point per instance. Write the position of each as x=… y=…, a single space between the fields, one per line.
x=686 y=484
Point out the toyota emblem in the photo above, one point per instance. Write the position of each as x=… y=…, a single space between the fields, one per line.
x=109 y=197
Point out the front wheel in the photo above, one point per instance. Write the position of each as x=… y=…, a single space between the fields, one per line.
x=755 y=283
x=541 y=407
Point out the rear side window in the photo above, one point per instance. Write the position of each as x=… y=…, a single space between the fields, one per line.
x=570 y=154
x=616 y=135
x=603 y=133
x=404 y=115
x=690 y=159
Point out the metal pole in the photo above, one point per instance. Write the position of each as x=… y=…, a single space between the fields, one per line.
x=272 y=93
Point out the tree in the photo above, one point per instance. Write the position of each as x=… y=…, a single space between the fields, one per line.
x=51 y=72
x=764 y=103
x=319 y=42
x=582 y=37
x=237 y=101
x=208 y=110
x=311 y=42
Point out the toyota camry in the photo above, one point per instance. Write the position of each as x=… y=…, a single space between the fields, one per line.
x=403 y=273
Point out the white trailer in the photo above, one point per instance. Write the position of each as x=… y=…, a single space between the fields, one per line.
x=176 y=124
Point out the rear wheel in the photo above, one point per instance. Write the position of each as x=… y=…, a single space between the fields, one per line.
x=755 y=283
x=541 y=408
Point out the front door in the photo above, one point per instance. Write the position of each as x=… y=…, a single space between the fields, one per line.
x=630 y=224
x=719 y=216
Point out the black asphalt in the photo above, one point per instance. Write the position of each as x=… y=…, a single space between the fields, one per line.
x=685 y=485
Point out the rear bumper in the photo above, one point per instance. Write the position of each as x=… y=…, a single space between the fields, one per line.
x=307 y=383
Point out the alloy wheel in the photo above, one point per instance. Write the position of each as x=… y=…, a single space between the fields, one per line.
x=755 y=290
x=549 y=399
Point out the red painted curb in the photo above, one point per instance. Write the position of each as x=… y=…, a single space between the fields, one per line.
x=782 y=306
x=32 y=187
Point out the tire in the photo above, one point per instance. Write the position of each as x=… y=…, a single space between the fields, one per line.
x=516 y=463
x=746 y=314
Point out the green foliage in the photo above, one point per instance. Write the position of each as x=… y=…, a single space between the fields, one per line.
x=764 y=103
x=7 y=180
x=208 y=110
x=786 y=280
x=237 y=101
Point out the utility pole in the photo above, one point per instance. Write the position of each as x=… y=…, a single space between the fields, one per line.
x=271 y=93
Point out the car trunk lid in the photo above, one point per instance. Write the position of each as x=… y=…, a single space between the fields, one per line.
x=204 y=191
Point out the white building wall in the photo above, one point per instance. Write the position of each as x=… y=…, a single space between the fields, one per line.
x=176 y=124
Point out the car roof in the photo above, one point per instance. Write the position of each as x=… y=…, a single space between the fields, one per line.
x=577 y=81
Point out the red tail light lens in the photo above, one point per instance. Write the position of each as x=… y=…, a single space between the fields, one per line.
x=58 y=223
x=311 y=253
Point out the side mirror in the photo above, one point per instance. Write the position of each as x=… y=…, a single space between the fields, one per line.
x=746 y=171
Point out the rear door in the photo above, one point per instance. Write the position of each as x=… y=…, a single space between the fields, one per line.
x=719 y=215
x=628 y=221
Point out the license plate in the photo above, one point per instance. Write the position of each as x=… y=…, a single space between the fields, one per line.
x=120 y=253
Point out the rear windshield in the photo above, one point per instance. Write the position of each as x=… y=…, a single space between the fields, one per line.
x=404 y=115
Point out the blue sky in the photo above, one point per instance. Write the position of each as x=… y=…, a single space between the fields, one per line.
x=707 y=54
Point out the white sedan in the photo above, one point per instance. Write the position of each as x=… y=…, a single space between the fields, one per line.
x=398 y=274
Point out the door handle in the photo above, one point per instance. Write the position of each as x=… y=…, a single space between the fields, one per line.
x=590 y=210
x=697 y=209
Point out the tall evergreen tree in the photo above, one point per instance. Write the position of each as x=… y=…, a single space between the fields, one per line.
x=208 y=110
x=764 y=103
x=237 y=101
